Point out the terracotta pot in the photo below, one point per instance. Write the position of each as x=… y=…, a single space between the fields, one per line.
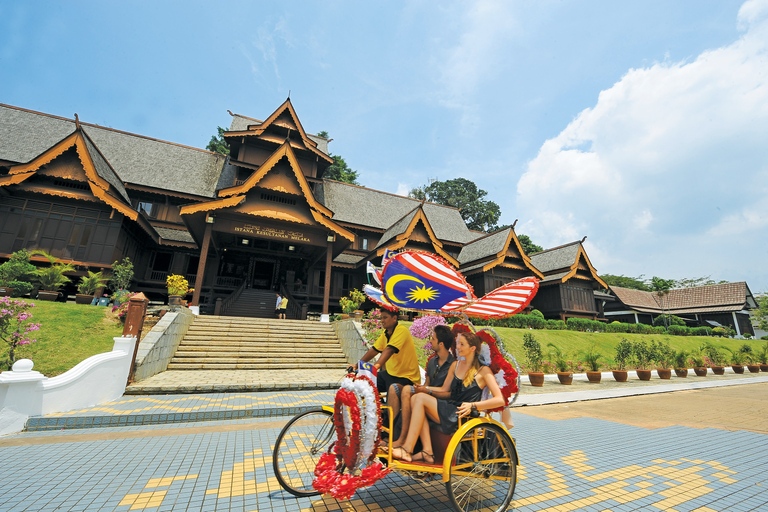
x=620 y=375
x=763 y=367
x=643 y=374
x=174 y=300
x=5 y=291
x=594 y=377
x=681 y=372
x=565 y=377
x=737 y=368
x=753 y=368
x=47 y=295
x=700 y=371
x=344 y=316
x=664 y=373
x=718 y=370
x=83 y=299
x=536 y=378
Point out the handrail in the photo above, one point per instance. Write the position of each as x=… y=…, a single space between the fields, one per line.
x=294 y=310
x=226 y=303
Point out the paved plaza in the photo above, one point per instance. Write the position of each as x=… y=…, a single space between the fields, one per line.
x=694 y=449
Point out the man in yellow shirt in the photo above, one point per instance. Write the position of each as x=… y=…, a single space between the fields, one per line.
x=398 y=363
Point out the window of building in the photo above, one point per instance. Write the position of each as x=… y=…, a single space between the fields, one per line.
x=148 y=209
x=364 y=244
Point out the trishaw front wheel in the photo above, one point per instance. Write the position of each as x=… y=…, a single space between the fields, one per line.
x=298 y=449
x=483 y=470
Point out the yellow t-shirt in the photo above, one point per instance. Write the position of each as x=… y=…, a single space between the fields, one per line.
x=404 y=362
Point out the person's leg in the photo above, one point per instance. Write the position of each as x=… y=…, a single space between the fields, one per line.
x=422 y=405
x=405 y=410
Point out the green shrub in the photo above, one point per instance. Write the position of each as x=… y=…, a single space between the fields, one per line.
x=668 y=320
x=679 y=330
x=533 y=355
x=623 y=354
x=720 y=332
x=701 y=331
x=556 y=325
x=537 y=313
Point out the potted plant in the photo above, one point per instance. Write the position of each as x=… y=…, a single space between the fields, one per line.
x=662 y=355
x=592 y=358
x=350 y=304
x=738 y=358
x=697 y=362
x=762 y=358
x=16 y=275
x=177 y=288
x=750 y=358
x=642 y=358
x=562 y=365
x=533 y=359
x=51 y=278
x=88 y=286
x=680 y=362
x=622 y=358
x=715 y=358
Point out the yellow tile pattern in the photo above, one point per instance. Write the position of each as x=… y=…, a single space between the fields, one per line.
x=219 y=403
x=152 y=499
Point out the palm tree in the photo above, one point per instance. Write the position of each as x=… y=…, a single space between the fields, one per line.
x=661 y=287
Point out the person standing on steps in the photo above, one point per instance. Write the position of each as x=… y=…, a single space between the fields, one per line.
x=283 y=307
x=277 y=305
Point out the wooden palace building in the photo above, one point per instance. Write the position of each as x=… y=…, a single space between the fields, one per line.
x=244 y=226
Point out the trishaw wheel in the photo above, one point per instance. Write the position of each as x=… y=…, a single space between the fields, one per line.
x=298 y=449
x=483 y=470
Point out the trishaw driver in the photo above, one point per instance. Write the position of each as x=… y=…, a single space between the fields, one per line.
x=398 y=362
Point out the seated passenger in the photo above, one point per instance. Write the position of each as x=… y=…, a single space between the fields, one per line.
x=469 y=379
x=398 y=362
x=437 y=370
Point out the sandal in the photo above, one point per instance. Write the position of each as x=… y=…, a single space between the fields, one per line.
x=400 y=454
x=422 y=457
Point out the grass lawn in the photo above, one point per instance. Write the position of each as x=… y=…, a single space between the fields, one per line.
x=69 y=333
x=574 y=343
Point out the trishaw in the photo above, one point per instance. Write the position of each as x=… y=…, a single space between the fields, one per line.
x=477 y=464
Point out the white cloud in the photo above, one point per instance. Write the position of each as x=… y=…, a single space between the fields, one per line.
x=403 y=189
x=669 y=168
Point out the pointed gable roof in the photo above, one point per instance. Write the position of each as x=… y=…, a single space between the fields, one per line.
x=560 y=264
x=398 y=235
x=235 y=196
x=101 y=177
x=277 y=127
x=492 y=250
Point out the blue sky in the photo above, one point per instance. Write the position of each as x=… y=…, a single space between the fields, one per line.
x=640 y=124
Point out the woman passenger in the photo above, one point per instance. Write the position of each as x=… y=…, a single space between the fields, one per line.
x=466 y=383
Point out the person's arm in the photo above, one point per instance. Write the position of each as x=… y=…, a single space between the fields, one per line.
x=388 y=352
x=484 y=379
x=443 y=391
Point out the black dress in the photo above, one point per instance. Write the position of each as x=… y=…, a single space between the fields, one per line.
x=448 y=410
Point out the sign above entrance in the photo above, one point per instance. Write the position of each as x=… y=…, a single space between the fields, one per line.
x=271 y=230
x=283 y=234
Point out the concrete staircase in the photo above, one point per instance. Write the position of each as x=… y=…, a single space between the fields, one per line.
x=254 y=304
x=236 y=343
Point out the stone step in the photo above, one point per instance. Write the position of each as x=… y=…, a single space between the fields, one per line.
x=250 y=366
x=240 y=354
x=240 y=359
x=245 y=339
x=196 y=349
x=292 y=344
x=307 y=326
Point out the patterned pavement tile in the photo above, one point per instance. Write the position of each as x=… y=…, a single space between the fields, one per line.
x=572 y=464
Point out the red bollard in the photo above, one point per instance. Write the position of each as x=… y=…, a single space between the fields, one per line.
x=134 y=321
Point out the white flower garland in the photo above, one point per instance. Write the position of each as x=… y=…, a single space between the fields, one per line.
x=369 y=433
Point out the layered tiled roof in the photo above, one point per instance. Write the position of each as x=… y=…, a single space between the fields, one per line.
x=135 y=159
x=376 y=209
x=485 y=246
x=241 y=123
x=557 y=258
x=701 y=299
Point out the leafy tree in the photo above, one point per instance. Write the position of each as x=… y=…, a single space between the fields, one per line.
x=478 y=213
x=761 y=313
x=696 y=281
x=528 y=246
x=122 y=275
x=340 y=171
x=622 y=281
x=217 y=143
x=661 y=287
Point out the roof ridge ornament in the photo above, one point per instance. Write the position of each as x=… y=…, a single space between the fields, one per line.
x=77 y=121
x=582 y=240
